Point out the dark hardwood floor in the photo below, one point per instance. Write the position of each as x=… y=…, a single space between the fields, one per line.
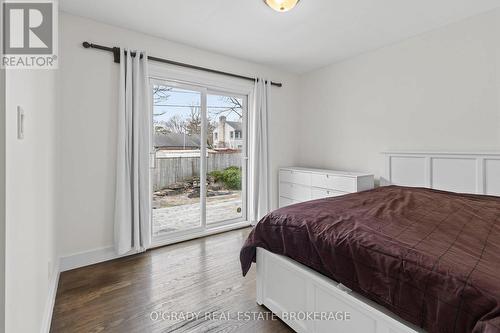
x=201 y=276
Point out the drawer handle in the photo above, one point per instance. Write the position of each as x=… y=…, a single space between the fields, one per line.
x=327 y=176
x=327 y=192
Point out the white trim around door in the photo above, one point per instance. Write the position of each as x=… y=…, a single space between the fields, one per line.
x=169 y=78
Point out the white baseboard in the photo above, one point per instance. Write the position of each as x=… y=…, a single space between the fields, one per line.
x=68 y=263
x=87 y=258
x=91 y=257
x=51 y=299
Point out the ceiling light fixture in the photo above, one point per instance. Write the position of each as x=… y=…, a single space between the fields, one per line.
x=281 y=5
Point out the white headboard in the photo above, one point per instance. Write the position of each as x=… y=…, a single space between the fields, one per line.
x=457 y=172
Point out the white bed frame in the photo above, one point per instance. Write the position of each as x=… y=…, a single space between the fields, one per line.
x=290 y=289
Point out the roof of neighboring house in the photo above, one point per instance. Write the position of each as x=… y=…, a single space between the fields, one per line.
x=234 y=124
x=176 y=140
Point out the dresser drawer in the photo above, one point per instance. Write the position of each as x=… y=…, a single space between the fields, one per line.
x=320 y=193
x=295 y=191
x=339 y=183
x=296 y=177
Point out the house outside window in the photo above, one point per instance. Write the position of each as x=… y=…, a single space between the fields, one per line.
x=228 y=134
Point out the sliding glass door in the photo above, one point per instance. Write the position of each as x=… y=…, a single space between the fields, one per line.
x=177 y=146
x=199 y=164
x=226 y=167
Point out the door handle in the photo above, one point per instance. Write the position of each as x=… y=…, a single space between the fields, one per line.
x=152 y=159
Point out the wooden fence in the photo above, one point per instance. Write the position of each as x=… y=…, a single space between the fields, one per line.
x=174 y=169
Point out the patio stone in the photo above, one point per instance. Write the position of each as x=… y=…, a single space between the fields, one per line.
x=183 y=217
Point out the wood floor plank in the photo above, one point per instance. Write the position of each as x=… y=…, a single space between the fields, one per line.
x=202 y=276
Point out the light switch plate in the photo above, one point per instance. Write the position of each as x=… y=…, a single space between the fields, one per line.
x=20 y=123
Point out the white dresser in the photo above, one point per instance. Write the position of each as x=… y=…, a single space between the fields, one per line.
x=303 y=184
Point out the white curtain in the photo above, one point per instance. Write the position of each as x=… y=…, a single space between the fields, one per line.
x=132 y=204
x=259 y=151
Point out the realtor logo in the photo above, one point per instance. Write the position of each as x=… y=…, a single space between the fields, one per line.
x=29 y=34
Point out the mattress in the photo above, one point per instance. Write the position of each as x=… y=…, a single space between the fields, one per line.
x=431 y=257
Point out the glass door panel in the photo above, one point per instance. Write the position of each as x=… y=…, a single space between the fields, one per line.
x=199 y=160
x=177 y=142
x=226 y=160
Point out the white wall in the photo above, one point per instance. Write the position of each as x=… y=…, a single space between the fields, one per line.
x=30 y=255
x=2 y=200
x=88 y=123
x=437 y=91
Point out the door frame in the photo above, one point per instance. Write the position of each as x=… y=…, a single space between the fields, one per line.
x=205 y=85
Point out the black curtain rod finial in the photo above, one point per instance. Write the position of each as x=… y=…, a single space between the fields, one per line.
x=86 y=45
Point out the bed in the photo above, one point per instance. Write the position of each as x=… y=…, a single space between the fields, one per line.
x=397 y=258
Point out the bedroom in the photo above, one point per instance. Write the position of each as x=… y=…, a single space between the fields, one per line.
x=365 y=94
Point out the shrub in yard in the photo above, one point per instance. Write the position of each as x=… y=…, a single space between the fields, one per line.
x=217 y=175
x=230 y=177
x=235 y=168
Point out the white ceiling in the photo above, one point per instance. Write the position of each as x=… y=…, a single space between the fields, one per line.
x=314 y=34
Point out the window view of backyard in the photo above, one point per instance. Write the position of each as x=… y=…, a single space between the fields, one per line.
x=177 y=124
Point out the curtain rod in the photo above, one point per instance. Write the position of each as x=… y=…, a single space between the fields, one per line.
x=116 y=56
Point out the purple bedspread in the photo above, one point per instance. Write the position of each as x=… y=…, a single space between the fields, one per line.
x=431 y=257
